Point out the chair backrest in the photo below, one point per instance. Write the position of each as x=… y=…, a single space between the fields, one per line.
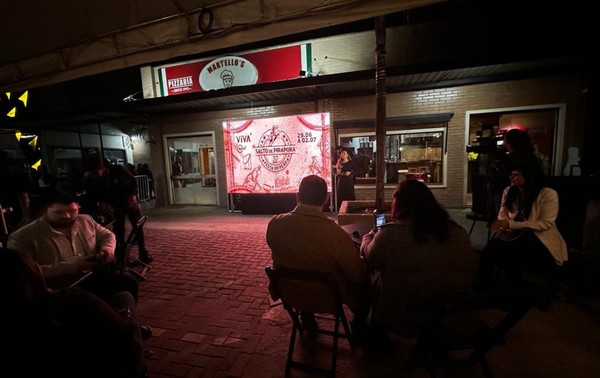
x=305 y=290
x=140 y=223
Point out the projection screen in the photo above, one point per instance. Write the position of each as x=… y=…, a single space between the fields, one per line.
x=272 y=155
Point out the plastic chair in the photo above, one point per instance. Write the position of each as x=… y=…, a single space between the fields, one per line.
x=310 y=292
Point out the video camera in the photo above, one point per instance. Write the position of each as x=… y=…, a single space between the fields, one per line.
x=488 y=140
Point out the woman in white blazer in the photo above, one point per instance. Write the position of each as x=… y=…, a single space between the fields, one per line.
x=525 y=233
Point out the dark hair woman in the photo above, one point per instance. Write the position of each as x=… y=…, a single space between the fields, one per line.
x=525 y=233
x=418 y=261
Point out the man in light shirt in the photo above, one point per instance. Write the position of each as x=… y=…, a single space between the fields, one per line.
x=67 y=245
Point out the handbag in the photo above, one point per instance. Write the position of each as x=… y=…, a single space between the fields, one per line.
x=512 y=235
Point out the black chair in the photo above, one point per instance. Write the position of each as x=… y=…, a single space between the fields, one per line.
x=128 y=260
x=3 y=225
x=310 y=292
x=434 y=348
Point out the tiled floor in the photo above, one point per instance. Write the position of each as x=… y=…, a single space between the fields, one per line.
x=206 y=298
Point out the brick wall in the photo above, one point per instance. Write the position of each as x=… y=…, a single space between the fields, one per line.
x=566 y=90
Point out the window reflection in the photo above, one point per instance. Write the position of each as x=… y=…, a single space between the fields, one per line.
x=417 y=154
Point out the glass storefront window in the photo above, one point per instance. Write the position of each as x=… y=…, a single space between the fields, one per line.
x=192 y=169
x=415 y=154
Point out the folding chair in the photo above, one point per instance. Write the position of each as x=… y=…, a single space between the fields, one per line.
x=128 y=258
x=310 y=292
x=3 y=225
x=430 y=345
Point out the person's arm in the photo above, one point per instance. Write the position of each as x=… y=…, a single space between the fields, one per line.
x=105 y=242
x=24 y=243
x=502 y=221
x=351 y=167
x=503 y=212
x=547 y=205
x=371 y=249
x=350 y=264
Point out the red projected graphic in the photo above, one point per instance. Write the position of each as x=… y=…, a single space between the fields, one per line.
x=272 y=155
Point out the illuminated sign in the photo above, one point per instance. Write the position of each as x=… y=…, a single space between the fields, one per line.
x=272 y=155
x=267 y=66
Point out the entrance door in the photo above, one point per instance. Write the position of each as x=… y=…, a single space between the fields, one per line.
x=192 y=169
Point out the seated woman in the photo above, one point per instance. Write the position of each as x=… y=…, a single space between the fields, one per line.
x=525 y=232
x=420 y=260
x=66 y=333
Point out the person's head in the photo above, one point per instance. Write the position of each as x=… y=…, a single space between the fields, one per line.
x=178 y=159
x=517 y=140
x=312 y=191
x=344 y=155
x=526 y=179
x=60 y=209
x=526 y=174
x=414 y=203
x=516 y=178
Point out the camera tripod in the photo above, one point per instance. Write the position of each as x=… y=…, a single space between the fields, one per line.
x=484 y=197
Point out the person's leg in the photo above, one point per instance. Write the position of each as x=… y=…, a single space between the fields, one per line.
x=490 y=260
x=541 y=266
x=105 y=284
x=124 y=304
x=134 y=214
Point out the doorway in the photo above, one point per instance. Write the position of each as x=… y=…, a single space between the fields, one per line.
x=192 y=169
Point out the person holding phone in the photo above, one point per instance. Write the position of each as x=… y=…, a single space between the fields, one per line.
x=418 y=260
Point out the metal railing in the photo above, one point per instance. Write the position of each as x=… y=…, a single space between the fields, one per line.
x=143 y=188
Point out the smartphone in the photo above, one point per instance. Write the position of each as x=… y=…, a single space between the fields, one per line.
x=379 y=220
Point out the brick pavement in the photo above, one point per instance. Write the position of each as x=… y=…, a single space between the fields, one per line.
x=206 y=299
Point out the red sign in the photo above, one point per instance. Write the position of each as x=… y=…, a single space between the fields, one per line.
x=232 y=71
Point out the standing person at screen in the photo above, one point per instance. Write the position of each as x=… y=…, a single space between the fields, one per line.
x=345 y=170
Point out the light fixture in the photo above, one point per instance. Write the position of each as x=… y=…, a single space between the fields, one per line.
x=205 y=20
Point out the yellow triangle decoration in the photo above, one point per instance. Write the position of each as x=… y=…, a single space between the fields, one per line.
x=12 y=113
x=18 y=135
x=24 y=97
x=33 y=142
x=8 y=95
x=37 y=164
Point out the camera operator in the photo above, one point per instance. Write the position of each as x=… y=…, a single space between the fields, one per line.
x=520 y=151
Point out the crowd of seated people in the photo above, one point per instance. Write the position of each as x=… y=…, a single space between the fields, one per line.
x=73 y=250
x=421 y=259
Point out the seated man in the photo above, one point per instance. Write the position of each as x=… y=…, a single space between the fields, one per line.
x=306 y=238
x=67 y=245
